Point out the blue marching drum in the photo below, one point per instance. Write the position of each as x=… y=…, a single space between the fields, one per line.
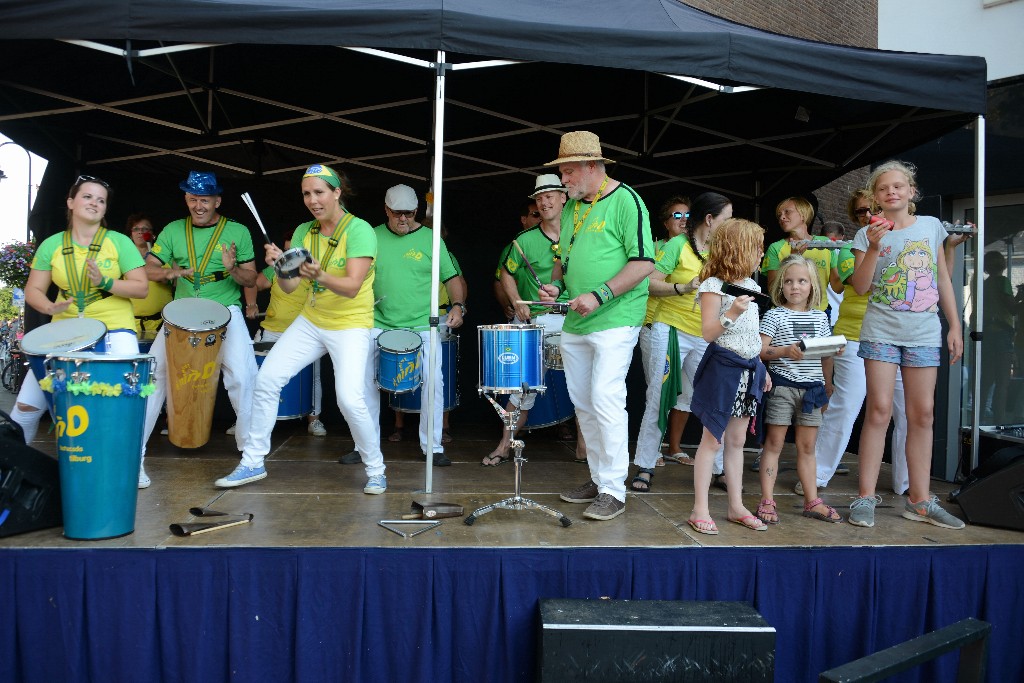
x=297 y=396
x=100 y=407
x=410 y=402
x=398 y=361
x=62 y=336
x=510 y=357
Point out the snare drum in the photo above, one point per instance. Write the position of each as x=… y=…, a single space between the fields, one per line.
x=62 y=336
x=411 y=402
x=398 y=361
x=287 y=264
x=100 y=406
x=553 y=351
x=194 y=329
x=510 y=356
x=553 y=406
x=296 y=399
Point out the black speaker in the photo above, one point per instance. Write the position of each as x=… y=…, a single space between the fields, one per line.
x=29 y=484
x=994 y=494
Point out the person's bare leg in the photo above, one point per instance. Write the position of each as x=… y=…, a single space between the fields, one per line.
x=500 y=453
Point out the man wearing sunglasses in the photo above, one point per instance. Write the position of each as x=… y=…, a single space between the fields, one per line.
x=401 y=287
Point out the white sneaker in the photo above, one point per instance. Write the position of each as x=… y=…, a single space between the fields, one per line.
x=230 y=431
x=163 y=432
x=799 y=488
x=144 y=481
x=316 y=428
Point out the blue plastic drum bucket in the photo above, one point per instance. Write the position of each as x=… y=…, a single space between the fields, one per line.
x=411 y=402
x=296 y=398
x=510 y=356
x=398 y=360
x=553 y=406
x=100 y=406
x=62 y=336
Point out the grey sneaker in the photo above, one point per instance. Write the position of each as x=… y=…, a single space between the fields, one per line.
x=584 y=493
x=316 y=428
x=842 y=468
x=605 y=507
x=230 y=431
x=799 y=488
x=930 y=511
x=862 y=510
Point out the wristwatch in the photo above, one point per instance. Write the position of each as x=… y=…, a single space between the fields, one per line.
x=462 y=306
x=726 y=321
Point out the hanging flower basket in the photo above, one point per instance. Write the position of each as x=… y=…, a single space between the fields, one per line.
x=15 y=263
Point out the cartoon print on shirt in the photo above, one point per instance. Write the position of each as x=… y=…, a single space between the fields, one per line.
x=909 y=283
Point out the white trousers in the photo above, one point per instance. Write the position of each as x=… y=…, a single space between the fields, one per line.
x=552 y=324
x=299 y=345
x=653 y=349
x=595 y=373
x=373 y=393
x=263 y=335
x=238 y=365
x=843 y=407
x=118 y=344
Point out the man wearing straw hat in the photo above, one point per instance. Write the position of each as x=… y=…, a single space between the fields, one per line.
x=210 y=257
x=530 y=260
x=607 y=254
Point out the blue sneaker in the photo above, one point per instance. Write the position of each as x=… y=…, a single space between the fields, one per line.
x=241 y=476
x=376 y=485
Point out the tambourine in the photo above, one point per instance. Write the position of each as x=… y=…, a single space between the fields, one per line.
x=287 y=264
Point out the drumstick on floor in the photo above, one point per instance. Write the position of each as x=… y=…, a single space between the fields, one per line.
x=252 y=207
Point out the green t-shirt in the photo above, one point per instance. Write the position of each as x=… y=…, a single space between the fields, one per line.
x=542 y=254
x=116 y=257
x=403 y=278
x=616 y=230
x=216 y=283
x=824 y=261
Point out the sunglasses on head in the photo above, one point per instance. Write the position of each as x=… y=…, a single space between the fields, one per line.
x=91 y=179
x=862 y=211
x=678 y=215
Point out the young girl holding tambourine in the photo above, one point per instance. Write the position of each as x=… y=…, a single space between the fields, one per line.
x=798 y=383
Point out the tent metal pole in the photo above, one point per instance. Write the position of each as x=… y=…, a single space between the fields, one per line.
x=437 y=187
x=979 y=303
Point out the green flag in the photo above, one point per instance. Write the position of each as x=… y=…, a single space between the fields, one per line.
x=671 y=380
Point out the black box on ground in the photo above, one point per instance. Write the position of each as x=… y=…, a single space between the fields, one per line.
x=653 y=640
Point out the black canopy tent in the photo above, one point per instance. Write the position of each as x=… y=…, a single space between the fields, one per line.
x=140 y=90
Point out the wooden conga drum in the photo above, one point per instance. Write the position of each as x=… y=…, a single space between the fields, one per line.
x=194 y=330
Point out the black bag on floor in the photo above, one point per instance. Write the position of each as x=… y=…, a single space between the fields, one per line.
x=29 y=484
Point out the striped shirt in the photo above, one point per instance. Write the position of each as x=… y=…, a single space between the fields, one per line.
x=784 y=327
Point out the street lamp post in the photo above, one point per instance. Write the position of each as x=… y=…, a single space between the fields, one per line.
x=28 y=200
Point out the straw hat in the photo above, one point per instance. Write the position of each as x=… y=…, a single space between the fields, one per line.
x=579 y=145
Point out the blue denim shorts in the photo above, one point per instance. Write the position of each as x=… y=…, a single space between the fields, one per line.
x=904 y=356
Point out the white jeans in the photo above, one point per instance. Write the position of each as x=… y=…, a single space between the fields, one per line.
x=263 y=335
x=373 y=393
x=238 y=365
x=118 y=344
x=595 y=374
x=552 y=324
x=301 y=344
x=843 y=407
x=653 y=346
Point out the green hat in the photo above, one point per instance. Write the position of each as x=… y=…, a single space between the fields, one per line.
x=325 y=173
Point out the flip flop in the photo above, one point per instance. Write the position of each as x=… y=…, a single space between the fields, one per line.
x=712 y=531
x=680 y=458
x=751 y=522
x=500 y=460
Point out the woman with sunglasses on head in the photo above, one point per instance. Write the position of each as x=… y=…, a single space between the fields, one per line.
x=96 y=271
x=673 y=287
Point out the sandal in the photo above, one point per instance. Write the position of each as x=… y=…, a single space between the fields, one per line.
x=633 y=485
x=493 y=460
x=446 y=436
x=751 y=522
x=703 y=526
x=581 y=461
x=767 y=513
x=680 y=458
x=832 y=516
x=660 y=462
x=396 y=435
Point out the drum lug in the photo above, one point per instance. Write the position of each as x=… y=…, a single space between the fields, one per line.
x=79 y=376
x=211 y=339
x=224 y=334
x=193 y=340
x=167 y=331
x=132 y=378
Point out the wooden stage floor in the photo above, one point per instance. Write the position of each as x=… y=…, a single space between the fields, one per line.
x=310 y=500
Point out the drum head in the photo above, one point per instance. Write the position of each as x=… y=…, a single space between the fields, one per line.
x=401 y=341
x=196 y=315
x=553 y=339
x=287 y=264
x=71 y=334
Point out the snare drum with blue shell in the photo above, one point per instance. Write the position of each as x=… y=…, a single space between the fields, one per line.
x=511 y=356
x=62 y=336
x=100 y=409
x=553 y=406
x=411 y=402
x=398 y=361
x=296 y=399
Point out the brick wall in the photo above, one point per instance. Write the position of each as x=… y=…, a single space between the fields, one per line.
x=841 y=22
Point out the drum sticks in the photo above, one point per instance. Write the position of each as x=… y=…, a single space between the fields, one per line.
x=527 y=262
x=252 y=207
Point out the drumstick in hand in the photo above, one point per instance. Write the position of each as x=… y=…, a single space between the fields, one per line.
x=252 y=207
x=527 y=262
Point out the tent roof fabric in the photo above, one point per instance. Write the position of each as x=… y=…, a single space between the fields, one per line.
x=663 y=36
